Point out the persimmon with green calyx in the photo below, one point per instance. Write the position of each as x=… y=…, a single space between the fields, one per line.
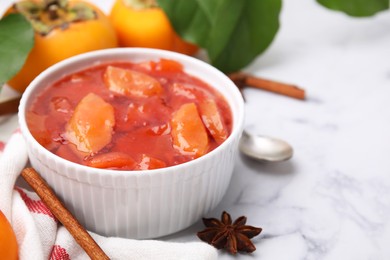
x=8 y=243
x=142 y=23
x=189 y=135
x=62 y=29
x=91 y=126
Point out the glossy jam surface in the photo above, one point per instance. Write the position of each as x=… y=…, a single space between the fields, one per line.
x=130 y=116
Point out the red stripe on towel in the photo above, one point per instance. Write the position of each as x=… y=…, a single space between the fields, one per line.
x=36 y=206
x=59 y=253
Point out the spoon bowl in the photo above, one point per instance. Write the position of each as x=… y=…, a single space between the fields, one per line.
x=264 y=148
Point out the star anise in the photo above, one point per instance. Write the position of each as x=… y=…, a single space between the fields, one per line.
x=233 y=237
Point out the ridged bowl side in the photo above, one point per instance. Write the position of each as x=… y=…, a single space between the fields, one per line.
x=141 y=205
x=138 y=204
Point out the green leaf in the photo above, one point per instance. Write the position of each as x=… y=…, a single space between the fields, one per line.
x=16 y=41
x=359 y=8
x=232 y=32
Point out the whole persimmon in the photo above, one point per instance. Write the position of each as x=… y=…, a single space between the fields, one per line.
x=8 y=244
x=62 y=29
x=142 y=23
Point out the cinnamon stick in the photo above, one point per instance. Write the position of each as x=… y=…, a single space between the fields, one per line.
x=9 y=106
x=243 y=79
x=82 y=237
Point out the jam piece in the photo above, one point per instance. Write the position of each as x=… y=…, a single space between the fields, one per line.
x=91 y=126
x=188 y=132
x=213 y=120
x=131 y=83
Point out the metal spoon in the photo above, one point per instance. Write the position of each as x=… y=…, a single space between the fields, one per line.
x=265 y=148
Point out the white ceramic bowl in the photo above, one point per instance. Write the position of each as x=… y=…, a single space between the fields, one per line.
x=137 y=204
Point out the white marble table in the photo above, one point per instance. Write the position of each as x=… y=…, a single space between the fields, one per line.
x=332 y=199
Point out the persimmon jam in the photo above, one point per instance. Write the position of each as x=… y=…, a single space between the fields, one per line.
x=130 y=116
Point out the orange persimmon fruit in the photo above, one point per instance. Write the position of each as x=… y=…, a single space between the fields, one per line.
x=8 y=243
x=141 y=23
x=60 y=34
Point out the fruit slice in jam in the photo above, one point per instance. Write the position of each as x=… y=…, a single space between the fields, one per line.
x=169 y=66
x=115 y=160
x=188 y=132
x=91 y=126
x=149 y=163
x=131 y=83
x=213 y=121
